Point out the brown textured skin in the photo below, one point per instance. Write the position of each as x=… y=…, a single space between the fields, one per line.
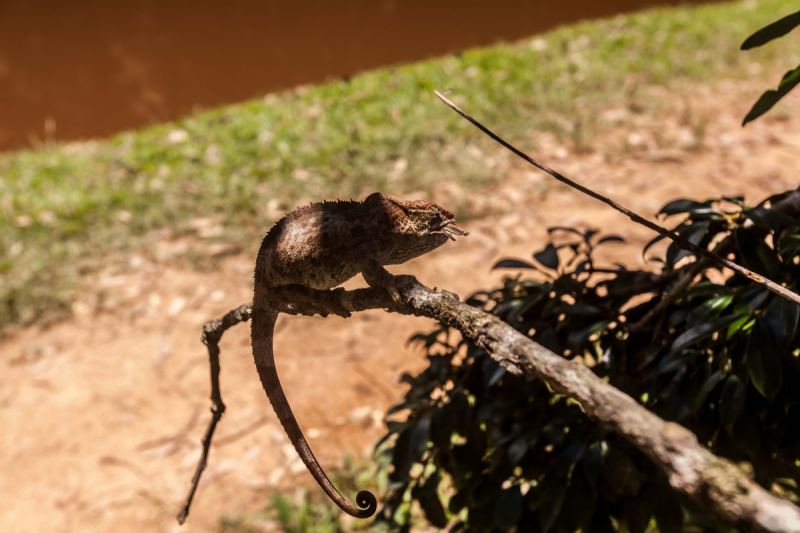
x=321 y=246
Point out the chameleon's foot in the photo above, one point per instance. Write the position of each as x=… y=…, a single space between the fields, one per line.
x=377 y=276
x=393 y=292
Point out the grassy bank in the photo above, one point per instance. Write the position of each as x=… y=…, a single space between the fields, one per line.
x=65 y=210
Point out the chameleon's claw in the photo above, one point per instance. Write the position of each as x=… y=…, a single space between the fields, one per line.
x=394 y=293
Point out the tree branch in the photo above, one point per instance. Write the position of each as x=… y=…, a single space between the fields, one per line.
x=212 y=333
x=679 y=241
x=715 y=484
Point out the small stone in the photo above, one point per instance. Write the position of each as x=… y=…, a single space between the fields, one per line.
x=176 y=306
x=177 y=136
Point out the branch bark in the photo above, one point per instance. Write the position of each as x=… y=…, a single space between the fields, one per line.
x=212 y=333
x=715 y=484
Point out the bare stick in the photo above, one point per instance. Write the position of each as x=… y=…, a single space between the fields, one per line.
x=679 y=241
x=212 y=332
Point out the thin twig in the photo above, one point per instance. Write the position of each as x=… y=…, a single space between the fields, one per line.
x=679 y=241
x=212 y=332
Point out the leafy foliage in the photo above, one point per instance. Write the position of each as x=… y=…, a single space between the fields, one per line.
x=483 y=450
x=790 y=79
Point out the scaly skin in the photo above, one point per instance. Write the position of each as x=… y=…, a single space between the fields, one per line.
x=321 y=246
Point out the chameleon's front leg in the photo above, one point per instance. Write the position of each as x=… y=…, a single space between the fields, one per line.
x=377 y=276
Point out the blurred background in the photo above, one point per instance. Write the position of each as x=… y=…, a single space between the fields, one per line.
x=146 y=148
x=73 y=70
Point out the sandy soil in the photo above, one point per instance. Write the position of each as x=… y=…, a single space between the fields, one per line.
x=102 y=415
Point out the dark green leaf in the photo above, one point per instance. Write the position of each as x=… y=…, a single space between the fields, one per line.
x=480 y=517
x=678 y=316
x=773 y=96
x=672 y=362
x=576 y=309
x=736 y=326
x=738 y=200
x=611 y=238
x=396 y=427
x=764 y=361
x=601 y=521
x=764 y=218
x=420 y=435
x=683 y=205
x=639 y=510
x=508 y=509
x=731 y=402
x=747 y=433
x=593 y=461
x=552 y=500
x=442 y=428
x=706 y=388
x=694 y=234
x=709 y=309
x=458 y=527
x=513 y=263
x=564 y=228
x=702 y=331
x=399 y=407
x=494 y=373
x=548 y=257
x=645 y=356
x=669 y=513
x=752 y=299
x=782 y=317
x=652 y=242
x=459 y=501
x=579 y=502
x=487 y=491
x=571 y=455
x=520 y=445
x=757 y=256
x=772 y=31
x=790 y=246
x=429 y=501
x=578 y=337
x=459 y=409
x=620 y=472
x=401 y=456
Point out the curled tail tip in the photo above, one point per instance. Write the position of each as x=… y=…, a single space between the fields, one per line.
x=368 y=503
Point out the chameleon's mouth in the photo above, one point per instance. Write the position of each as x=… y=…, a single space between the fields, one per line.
x=449 y=228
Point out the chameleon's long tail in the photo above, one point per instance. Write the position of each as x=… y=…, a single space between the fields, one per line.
x=263 y=328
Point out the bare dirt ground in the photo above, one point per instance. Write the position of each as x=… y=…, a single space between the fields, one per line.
x=102 y=414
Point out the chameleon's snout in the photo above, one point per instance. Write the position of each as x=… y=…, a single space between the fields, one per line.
x=449 y=228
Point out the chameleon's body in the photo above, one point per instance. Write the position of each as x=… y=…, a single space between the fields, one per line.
x=321 y=246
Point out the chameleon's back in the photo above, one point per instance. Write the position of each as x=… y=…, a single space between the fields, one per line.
x=318 y=244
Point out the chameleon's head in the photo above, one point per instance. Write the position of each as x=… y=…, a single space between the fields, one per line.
x=416 y=217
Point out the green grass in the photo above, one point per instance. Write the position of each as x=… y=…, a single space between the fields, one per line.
x=65 y=210
x=311 y=511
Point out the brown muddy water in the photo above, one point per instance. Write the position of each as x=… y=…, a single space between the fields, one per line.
x=89 y=68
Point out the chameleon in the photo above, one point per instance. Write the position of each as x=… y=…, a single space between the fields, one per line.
x=320 y=246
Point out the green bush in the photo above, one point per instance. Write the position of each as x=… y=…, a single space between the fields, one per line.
x=483 y=450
